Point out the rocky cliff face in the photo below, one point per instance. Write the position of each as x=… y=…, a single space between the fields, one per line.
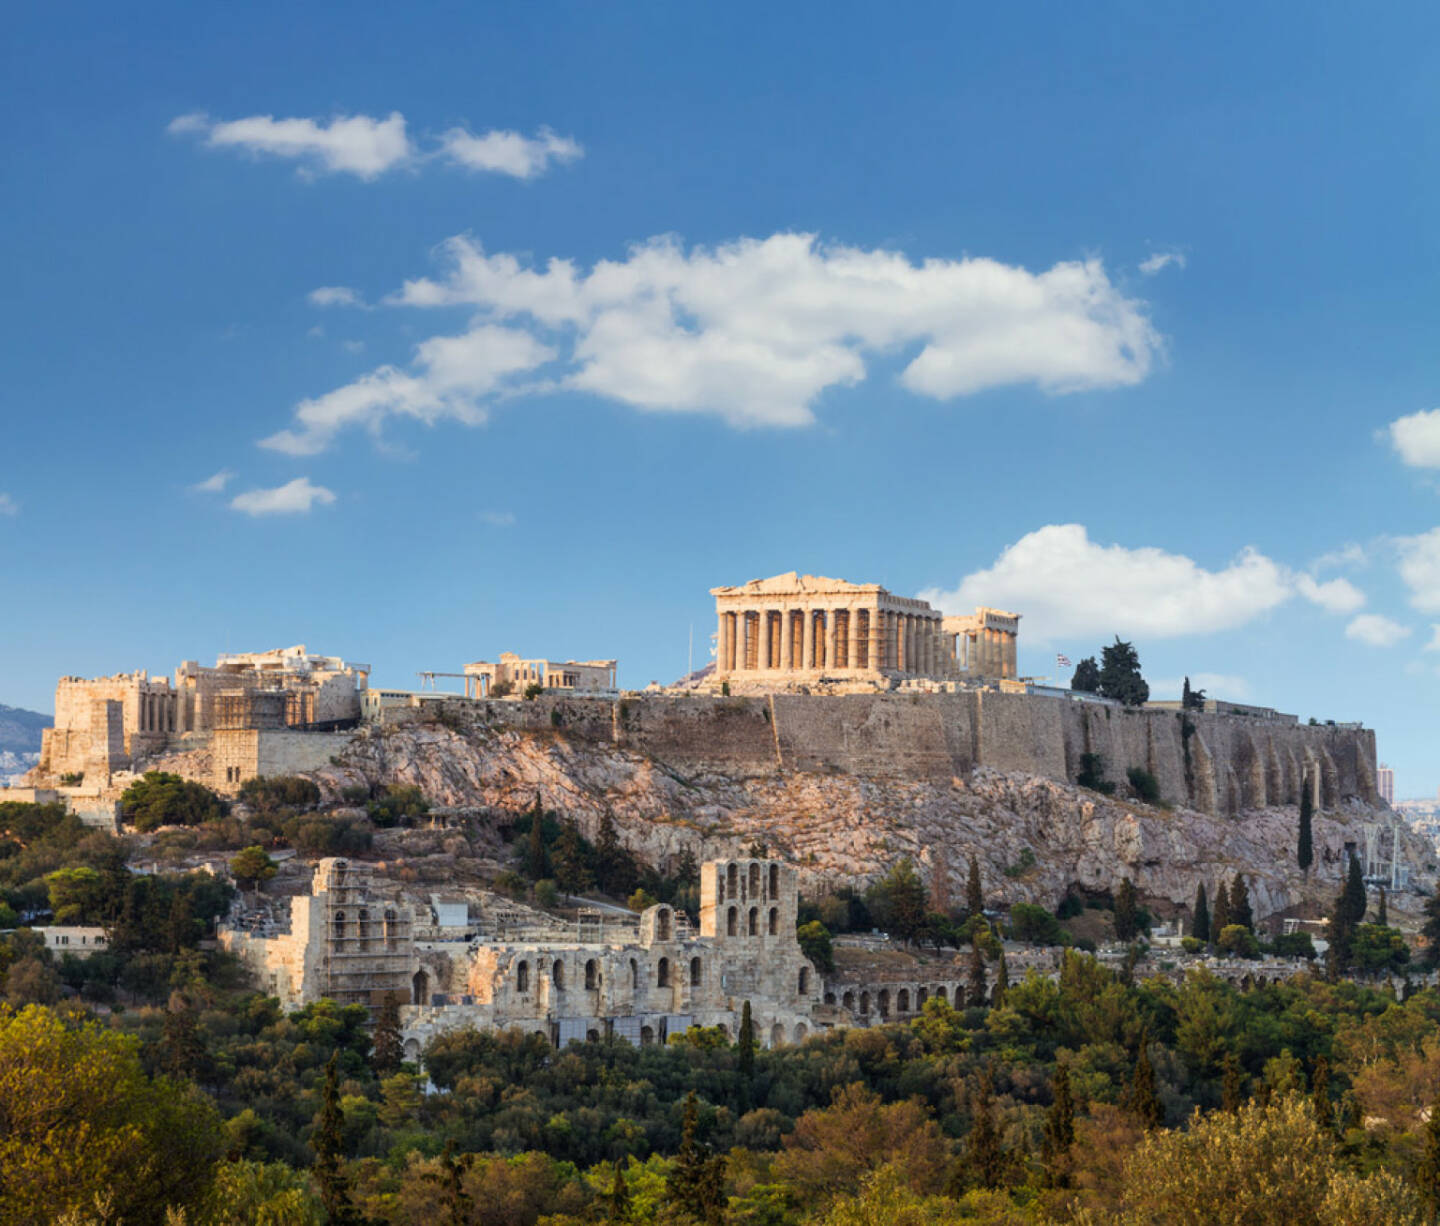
x=848 y=827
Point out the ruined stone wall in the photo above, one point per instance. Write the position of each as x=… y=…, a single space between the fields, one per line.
x=240 y=754
x=876 y=734
x=726 y=735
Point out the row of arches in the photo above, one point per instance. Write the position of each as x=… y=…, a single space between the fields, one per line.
x=729 y=886
x=752 y=922
x=594 y=974
x=340 y=928
x=903 y=1000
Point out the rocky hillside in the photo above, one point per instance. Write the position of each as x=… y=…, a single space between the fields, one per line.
x=1035 y=838
x=20 y=739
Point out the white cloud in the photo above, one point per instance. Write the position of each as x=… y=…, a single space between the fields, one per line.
x=293 y=497
x=348 y=144
x=1066 y=585
x=1417 y=438
x=1216 y=685
x=509 y=153
x=455 y=372
x=1420 y=568
x=335 y=295
x=215 y=484
x=353 y=346
x=1376 y=631
x=1333 y=595
x=1346 y=555
x=756 y=330
x=1162 y=260
x=498 y=519
x=8 y=505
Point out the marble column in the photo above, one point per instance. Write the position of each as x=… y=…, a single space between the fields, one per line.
x=853 y=658
x=787 y=641
x=763 y=659
x=807 y=640
x=722 y=645
x=831 y=636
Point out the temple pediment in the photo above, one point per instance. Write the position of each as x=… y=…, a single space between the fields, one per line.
x=794 y=583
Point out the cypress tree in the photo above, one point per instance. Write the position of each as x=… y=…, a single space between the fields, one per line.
x=537 y=863
x=1232 y=1092
x=386 y=1052
x=986 y=1158
x=1320 y=1094
x=572 y=873
x=1305 y=848
x=974 y=897
x=1142 y=1100
x=1002 y=982
x=1382 y=910
x=1200 y=924
x=1427 y=1175
x=619 y=1194
x=1126 y=922
x=976 y=995
x=1219 y=912
x=328 y=1142
x=1059 y=1132
x=695 y=1185
x=747 y=1045
x=452 y=1174
x=1240 y=912
x=1355 y=899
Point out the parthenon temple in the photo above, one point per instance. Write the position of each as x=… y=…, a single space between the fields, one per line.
x=802 y=628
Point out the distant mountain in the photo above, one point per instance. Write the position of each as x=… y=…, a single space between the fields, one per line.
x=20 y=730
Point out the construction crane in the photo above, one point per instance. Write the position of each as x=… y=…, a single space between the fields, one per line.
x=428 y=678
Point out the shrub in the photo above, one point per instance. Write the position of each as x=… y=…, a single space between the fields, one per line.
x=1029 y=922
x=1070 y=906
x=1192 y=945
x=1239 y=941
x=162 y=799
x=398 y=805
x=815 y=944
x=280 y=794
x=1144 y=784
x=546 y=895
x=1092 y=773
x=533 y=691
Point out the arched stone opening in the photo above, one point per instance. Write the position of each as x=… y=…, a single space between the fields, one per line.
x=800 y=1032
x=420 y=988
x=557 y=974
x=522 y=977
x=647 y=1036
x=339 y=925
x=921 y=996
x=754 y=881
x=774 y=881
x=774 y=922
x=902 y=1000
x=592 y=975
x=804 y=981
x=662 y=973
x=882 y=1002
x=753 y=923
x=848 y=1001
x=731 y=920
x=662 y=924
x=696 y=972
x=777 y=1035
x=865 y=1002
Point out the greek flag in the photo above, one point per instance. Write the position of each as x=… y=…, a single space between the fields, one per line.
x=1062 y=661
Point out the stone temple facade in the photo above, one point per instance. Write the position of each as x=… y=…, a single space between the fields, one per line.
x=607 y=976
x=794 y=629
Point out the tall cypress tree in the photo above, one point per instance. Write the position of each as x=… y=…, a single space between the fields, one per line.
x=696 y=1183
x=1355 y=899
x=452 y=1175
x=1126 y=920
x=1200 y=924
x=1142 y=1100
x=974 y=896
x=986 y=1158
x=977 y=995
x=328 y=1142
x=1219 y=912
x=1059 y=1133
x=537 y=862
x=1240 y=912
x=1382 y=910
x=1002 y=982
x=1320 y=1094
x=747 y=1045
x=386 y=1051
x=619 y=1194
x=1305 y=847
x=1231 y=1086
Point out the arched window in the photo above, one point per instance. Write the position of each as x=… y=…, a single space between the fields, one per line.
x=921 y=996
x=777 y=1035
x=557 y=974
x=362 y=929
x=754 y=925
x=420 y=989
x=732 y=880
x=940 y=992
x=662 y=973
x=592 y=975
x=882 y=1002
x=634 y=974
x=696 y=972
x=864 y=1002
x=389 y=928
x=339 y=925
x=804 y=981
x=774 y=921
x=522 y=977
x=647 y=1036
x=754 y=881
x=774 y=882
x=662 y=924
x=800 y=1032
x=730 y=922
x=848 y=1001
x=902 y=1001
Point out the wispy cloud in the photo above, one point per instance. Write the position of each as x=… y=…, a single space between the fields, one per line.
x=752 y=332
x=1376 y=631
x=8 y=505
x=353 y=346
x=347 y=144
x=215 y=484
x=335 y=295
x=498 y=519
x=1162 y=260
x=1416 y=438
x=294 y=497
x=509 y=153
x=367 y=147
x=1336 y=595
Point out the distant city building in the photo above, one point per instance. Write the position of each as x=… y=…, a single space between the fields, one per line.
x=1385 y=783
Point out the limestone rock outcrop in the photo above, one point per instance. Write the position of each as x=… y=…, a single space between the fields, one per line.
x=1035 y=838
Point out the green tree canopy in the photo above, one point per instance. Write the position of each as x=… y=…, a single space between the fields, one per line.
x=1087 y=676
x=159 y=798
x=1120 y=677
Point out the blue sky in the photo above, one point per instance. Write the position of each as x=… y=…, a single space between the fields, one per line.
x=519 y=328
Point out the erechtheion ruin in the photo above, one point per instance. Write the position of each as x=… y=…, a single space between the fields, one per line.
x=514 y=675
x=793 y=629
